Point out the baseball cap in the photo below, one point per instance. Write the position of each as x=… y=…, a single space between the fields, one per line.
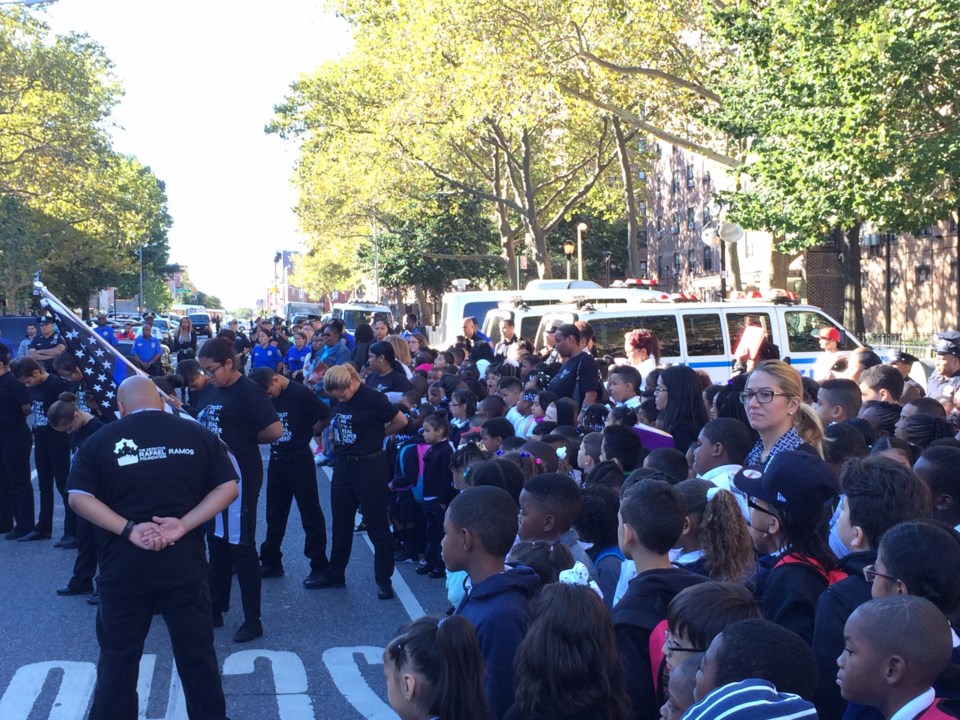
x=45 y=320
x=827 y=333
x=793 y=480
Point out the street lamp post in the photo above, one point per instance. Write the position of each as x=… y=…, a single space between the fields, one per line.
x=140 y=306
x=581 y=229
x=568 y=249
x=606 y=265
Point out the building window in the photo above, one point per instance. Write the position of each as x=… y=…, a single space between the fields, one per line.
x=925 y=232
x=923 y=274
x=706 y=178
x=692 y=260
x=675 y=228
x=642 y=145
x=676 y=180
x=691 y=218
x=690 y=177
x=707 y=217
x=659 y=266
x=708 y=259
x=643 y=269
x=642 y=175
x=659 y=223
x=677 y=263
x=953 y=271
x=642 y=238
x=642 y=209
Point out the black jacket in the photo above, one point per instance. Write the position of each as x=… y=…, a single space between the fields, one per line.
x=835 y=605
x=789 y=595
x=639 y=611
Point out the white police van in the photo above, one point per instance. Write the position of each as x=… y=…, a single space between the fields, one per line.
x=705 y=335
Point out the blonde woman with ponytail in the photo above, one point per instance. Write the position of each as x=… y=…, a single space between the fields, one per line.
x=773 y=401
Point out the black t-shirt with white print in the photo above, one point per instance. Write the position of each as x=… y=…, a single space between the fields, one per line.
x=358 y=424
x=581 y=367
x=42 y=396
x=13 y=396
x=299 y=410
x=393 y=381
x=236 y=414
x=148 y=464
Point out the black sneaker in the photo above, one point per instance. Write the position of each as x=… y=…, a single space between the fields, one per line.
x=323 y=582
x=271 y=571
x=385 y=591
x=437 y=573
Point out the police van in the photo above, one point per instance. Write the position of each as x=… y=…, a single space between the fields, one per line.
x=706 y=336
x=538 y=293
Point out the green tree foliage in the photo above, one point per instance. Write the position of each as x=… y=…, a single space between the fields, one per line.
x=69 y=204
x=455 y=239
x=850 y=115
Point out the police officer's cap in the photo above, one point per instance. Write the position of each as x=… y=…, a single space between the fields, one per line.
x=948 y=343
x=899 y=356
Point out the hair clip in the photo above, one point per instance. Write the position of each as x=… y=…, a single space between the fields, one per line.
x=500 y=453
x=712 y=493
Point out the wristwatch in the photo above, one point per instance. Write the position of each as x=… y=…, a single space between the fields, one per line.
x=127 y=529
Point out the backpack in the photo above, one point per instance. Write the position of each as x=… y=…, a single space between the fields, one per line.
x=831 y=577
x=408 y=472
x=941 y=709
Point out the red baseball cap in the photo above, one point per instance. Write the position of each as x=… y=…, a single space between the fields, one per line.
x=828 y=333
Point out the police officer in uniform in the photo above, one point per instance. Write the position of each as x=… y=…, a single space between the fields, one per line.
x=903 y=361
x=148 y=481
x=945 y=379
x=47 y=344
x=292 y=474
x=362 y=418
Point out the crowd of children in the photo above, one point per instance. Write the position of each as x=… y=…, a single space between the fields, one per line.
x=764 y=548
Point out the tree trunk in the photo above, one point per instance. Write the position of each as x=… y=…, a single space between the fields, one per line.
x=733 y=264
x=633 y=227
x=780 y=266
x=508 y=235
x=852 y=299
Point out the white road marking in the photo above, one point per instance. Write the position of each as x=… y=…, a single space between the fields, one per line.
x=346 y=676
x=289 y=678
x=73 y=697
x=407 y=598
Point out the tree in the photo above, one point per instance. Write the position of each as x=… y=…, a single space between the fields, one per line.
x=849 y=111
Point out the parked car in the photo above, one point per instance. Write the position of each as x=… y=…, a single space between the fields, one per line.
x=201 y=324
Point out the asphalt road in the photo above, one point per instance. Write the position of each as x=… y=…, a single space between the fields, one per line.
x=320 y=655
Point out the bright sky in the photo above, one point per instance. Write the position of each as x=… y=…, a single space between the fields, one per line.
x=201 y=79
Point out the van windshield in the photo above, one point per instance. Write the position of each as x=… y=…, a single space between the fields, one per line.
x=352 y=318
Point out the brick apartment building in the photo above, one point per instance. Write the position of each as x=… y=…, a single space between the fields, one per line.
x=923 y=273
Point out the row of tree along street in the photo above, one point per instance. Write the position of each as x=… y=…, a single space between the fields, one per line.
x=490 y=128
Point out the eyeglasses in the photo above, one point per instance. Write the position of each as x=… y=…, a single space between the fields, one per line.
x=672 y=647
x=758 y=508
x=763 y=396
x=210 y=372
x=870 y=573
x=456 y=404
x=659 y=389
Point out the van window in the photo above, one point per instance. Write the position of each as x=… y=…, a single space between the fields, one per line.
x=737 y=321
x=478 y=309
x=609 y=333
x=528 y=327
x=704 y=334
x=801 y=326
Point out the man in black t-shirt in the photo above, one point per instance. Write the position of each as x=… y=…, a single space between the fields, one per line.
x=292 y=473
x=16 y=492
x=387 y=375
x=578 y=378
x=148 y=482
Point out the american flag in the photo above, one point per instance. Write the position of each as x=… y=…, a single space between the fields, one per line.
x=103 y=367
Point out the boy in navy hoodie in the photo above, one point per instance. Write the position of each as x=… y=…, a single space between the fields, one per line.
x=651 y=518
x=479 y=529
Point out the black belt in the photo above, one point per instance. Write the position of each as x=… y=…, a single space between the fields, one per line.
x=358 y=458
x=280 y=454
